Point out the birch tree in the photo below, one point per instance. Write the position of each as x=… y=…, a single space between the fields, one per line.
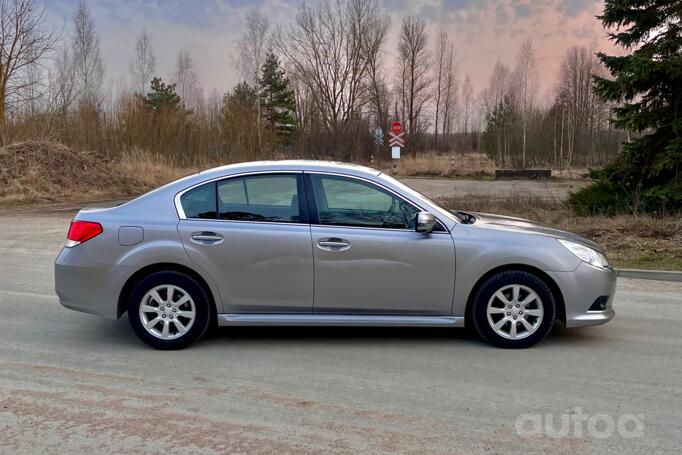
x=87 y=58
x=526 y=77
x=143 y=65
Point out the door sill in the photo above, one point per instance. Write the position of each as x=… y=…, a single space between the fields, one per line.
x=243 y=319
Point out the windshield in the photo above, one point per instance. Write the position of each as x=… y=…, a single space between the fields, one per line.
x=418 y=195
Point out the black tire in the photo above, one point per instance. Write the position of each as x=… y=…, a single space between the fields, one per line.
x=203 y=309
x=499 y=281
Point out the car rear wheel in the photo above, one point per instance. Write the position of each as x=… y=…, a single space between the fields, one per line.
x=513 y=309
x=169 y=310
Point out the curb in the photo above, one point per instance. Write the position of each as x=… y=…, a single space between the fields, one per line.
x=658 y=275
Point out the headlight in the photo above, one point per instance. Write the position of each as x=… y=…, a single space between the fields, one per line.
x=586 y=254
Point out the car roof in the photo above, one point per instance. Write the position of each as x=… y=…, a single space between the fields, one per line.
x=290 y=165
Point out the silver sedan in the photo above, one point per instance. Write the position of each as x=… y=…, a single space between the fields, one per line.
x=319 y=243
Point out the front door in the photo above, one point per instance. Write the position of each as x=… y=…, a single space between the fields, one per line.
x=368 y=257
x=251 y=234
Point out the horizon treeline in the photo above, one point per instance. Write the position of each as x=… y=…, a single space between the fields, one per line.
x=313 y=88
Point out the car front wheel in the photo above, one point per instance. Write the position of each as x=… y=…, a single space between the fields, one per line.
x=513 y=309
x=169 y=310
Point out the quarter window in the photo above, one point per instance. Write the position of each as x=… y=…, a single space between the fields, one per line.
x=200 y=202
x=344 y=201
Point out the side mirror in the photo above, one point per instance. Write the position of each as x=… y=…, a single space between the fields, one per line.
x=425 y=222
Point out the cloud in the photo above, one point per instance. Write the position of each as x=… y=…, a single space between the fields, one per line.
x=483 y=31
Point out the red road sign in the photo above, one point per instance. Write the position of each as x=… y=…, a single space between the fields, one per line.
x=396 y=128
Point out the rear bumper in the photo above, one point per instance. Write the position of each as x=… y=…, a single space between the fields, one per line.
x=87 y=287
x=581 y=288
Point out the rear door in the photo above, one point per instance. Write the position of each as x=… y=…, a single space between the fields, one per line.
x=369 y=259
x=251 y=234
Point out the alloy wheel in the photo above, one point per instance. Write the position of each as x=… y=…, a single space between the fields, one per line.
x=167 y=312
x=515 y=311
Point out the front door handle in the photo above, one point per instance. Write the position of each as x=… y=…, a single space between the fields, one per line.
x=206 y=238
x=333 y=244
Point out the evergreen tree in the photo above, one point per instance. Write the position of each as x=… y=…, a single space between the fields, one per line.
x=647 y=86
x=162 y=96
x=277 y=100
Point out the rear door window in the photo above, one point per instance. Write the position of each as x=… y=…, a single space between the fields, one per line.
x=267 y=198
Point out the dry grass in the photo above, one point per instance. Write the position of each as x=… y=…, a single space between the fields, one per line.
x=439 y=165
x=151 y=169
x=35 y=172
x=630 y=241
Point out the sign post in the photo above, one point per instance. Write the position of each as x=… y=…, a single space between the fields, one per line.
x=378 y=140
x=396 y=142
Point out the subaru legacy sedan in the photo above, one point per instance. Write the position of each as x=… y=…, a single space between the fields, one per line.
x=319 y=243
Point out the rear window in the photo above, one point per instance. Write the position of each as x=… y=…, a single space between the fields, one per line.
x=200 y=202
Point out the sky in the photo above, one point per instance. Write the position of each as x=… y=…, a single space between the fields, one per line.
x=483 y=31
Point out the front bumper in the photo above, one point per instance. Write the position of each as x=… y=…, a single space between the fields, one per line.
x=581 y=288
x=87 y=287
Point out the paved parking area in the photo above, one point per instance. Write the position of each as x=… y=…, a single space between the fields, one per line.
x=73 y=383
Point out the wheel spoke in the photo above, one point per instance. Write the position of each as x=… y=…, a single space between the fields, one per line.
x=527 y=325
x=150 y=324
x=515 y=293
x=156 y=297
x=149 y=309
x=537 y=313
x=498 y=325
x=164 y=332
x=182 y=300
x=184 y=314
x=495 y=310
x=502 y=297
x=180 y=326
x=512 y=329
x=529 y=298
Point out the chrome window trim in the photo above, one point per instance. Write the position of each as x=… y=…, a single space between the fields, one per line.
x=181 y=211
x=400 y=196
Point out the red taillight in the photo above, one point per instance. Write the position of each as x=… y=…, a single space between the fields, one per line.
x=82 y=231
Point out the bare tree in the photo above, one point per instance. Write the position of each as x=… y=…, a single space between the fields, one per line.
x=143 y=65
x=582 y=114
x=413 y=73
x=327 y=50
x=525 y=74
x=467 y=102
x=252 y=47
x=441 y=56
x=22 y=45
x=451 y=88
x=185 y=78
x=87 y=57
x=377 y=89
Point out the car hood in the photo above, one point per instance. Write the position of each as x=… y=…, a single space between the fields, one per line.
x=493 y=221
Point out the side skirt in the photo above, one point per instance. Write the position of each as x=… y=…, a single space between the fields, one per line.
x=337 y=320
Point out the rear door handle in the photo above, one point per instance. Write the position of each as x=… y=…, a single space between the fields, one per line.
x=206 y=238
x=333 y=244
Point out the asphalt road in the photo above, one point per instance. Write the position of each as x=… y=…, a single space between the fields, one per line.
x=73 y=383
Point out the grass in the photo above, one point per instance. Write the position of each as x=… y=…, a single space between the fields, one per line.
x=646 y=242
x=439 y=165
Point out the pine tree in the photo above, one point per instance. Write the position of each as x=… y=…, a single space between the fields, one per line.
x=647 y=87
x=162 y=96
x=277 y=100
